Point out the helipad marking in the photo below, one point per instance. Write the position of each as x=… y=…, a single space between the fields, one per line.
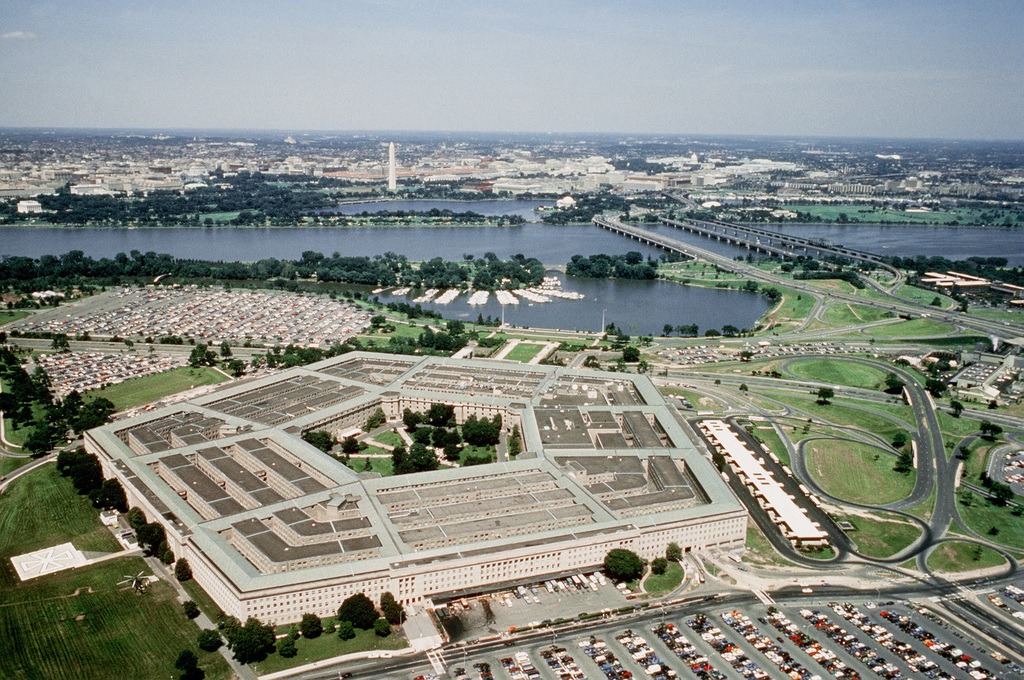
x=47 y=561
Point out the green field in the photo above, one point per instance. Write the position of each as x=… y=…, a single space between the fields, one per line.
x=849 y=471
x=839 y=372
x=153 y=387
x=391 y=438
x=42 y=509
x=882 y=534
x=792 y=310
x=80 y=625
x=957 y=556
x=12 y=315
x=759 y=551
x=853 y=315
x=478 y=452
x=925 y=296
x=912 y=328
x=770 y=438
x=50 y=631
x=327 y=646
x=658 y=585
x=382 y=466
x=844 y=415
x=981 y=516
x=524 y=352
x=875 y=215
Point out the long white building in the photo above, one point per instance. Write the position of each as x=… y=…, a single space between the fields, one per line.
x=274 y=528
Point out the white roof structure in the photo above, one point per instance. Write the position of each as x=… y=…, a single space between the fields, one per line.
x=769 y=493
x=47 y=561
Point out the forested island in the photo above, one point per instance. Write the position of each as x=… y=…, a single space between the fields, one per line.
x=628 y=266
x=75 y=269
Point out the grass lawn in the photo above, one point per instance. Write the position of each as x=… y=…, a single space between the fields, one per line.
x=201 y=598
x=523 y=352
x=998 y=315
x=977 y=460
x=657 y=585
x=9 y=465
x=52 y=633
x=104 y=631
x=792 y=309
x=42 y=509
x=852 y=315
x=328 y=646
x=925 y=296
x=759 y=550
x=839 y=372
x=383 y=466
x=957 y=556
x=912 y=328
x=478 y=452
x=843 y=415
x=696 y=399
x=152 y=387
x=849 y=471
x=882 y=534
x=981 y=516
x=13 y=315
x=391 y=438
x=770 y=438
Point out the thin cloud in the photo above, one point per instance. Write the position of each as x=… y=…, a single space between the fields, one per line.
x=18 y=35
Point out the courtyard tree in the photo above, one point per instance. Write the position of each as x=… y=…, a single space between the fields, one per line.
x=311 y=626
x=359 y=610
x=623 y=565
x=824 y=394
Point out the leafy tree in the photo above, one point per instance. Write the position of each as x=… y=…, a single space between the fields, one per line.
x=667 y=329
x=346 y=631
x=349 y=445
x=956 y=407
x=182 y=570
x=252 y=641
x=824 y=394
x=187 y=661
x=286 y=648
x=899 y=440
x=893 y=385
x=935 y=386
x=441 y=415
x=311 y=626
x=659 y=565
x=623 y=565
x=381 y=628
x=411 y=419
x=59 y=342
x=392 y=610
x=376 y=419
x=225 y=350
x=673 y=552
x=631 y=355
x=190 y=608
x=321 y=439
x=237 y=367
x=208 y=640
x=359 y=610
x=990 y=430
x=201 y=356
x=905 y=463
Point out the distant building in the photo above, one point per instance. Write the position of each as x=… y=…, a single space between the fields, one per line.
x=392 y=170
x=29 y=207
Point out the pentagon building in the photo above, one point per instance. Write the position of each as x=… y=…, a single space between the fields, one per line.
x=274 y=528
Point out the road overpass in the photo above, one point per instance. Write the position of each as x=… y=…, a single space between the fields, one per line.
x=998 y=331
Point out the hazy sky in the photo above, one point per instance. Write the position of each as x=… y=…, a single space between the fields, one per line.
x=859 y=68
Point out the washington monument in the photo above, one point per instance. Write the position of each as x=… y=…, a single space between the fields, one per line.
x=392 y=181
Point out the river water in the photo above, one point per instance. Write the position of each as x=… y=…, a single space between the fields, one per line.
x=637 y=306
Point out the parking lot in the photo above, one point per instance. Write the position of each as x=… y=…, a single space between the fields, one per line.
x=83 y=371
x=205 y=314
x=894 y=640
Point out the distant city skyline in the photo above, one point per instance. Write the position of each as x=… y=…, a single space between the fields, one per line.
x=850 y=69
